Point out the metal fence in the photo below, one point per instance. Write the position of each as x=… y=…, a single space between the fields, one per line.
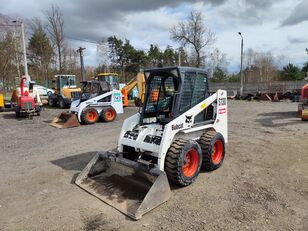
x=263 y=87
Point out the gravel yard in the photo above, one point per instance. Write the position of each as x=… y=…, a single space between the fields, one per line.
x=262 y=184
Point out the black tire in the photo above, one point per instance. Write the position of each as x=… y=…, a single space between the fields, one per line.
x=17 y=113
x=108 y=114
x=212 y=144
x=89 y=115
x=175 y=161
x=62 y=103
x=38 y=110
x=50 y=102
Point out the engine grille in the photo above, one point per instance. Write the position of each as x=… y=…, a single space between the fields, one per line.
x=152 y=139
x=27 y=106
x=131 y=135
x=75 y=95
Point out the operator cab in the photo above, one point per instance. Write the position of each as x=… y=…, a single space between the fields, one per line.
x=172 y=91
x=65 y=81
x=91 y=89
x=111 y=78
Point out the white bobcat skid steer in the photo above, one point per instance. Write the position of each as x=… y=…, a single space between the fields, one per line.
x=98 y=100
x=180 y=130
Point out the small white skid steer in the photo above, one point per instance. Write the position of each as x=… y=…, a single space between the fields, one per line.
x=98 y=100
x=180 y=129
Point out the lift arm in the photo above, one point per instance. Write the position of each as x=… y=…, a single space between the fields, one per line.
x=138 y=81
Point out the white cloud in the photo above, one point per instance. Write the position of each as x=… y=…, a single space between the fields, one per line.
x=298 y=14
x=146 y=22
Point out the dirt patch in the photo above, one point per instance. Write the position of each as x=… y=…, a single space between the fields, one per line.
x=96 y=222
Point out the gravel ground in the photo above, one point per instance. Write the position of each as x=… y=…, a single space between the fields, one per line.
x=262 y=185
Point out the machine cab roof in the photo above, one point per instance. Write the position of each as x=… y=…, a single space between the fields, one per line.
x=65 y=81
x=111 y=78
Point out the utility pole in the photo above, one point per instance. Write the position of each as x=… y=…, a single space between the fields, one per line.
x=82 y=69
x=180 y=56
x=241 y=72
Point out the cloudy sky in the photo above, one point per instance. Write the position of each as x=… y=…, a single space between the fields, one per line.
x=276 y=26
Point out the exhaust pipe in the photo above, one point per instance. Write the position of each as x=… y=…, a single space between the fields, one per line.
x=131 y=187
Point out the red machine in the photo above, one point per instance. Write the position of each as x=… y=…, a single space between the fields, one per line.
x=25 y=103
x=303 y=105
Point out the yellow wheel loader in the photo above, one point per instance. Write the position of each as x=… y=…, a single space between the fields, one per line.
x=180 y=130
x=66 y=91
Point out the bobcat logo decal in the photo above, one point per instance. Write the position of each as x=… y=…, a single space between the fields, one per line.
x=188 y=119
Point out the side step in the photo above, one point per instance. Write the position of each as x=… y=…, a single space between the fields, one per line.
x=130 y=187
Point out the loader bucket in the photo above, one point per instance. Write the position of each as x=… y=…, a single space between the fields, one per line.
x=65 y=120
x=124 y=184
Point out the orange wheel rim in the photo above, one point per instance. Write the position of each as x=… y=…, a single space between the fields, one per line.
x=190 y=162
x=91 y=116
x=217 y=150
x=109 y=114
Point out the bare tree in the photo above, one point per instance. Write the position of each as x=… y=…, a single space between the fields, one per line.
x=261 y=67
x=7 y=60
x=249 y=56
x=71 y=58
x=282 y=61
x=218 y=59
x=194 y=33
x=103 y=52
x=55 y=29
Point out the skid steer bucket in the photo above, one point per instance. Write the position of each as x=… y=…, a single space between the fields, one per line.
x=130 y=187
x=65 y=120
